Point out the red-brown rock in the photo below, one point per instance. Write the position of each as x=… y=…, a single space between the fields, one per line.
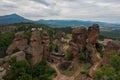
x=19 y=42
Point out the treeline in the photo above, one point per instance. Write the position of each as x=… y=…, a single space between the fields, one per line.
x=5 y=40
x=114 y=34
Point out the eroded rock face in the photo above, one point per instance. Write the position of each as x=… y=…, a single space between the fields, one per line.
x=19 y=42
x=114 y=45
x=59 y=46
x=111 y=46
x=60 y=35
x=92 y=40
x=92 y=45
x=45 y=42
x=78 y=43
x=93 y=34
x=20 y=56
x=79 y=36
x=86 y=42
x=35 y=51
x=73 y=49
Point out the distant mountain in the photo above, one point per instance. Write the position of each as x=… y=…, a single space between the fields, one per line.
x=76 y=23
x=12 y=18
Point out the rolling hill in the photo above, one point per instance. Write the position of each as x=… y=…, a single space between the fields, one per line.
x=14 y=18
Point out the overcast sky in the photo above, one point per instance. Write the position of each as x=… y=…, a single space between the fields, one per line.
x=94 y=10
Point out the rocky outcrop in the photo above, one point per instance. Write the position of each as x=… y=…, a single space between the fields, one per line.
x=79 y=36
x=20 y=56
x=59 y=35
x=114 y=45
x=4 y=70
x=35 y=51
x=2 y=73
x=59 y=46
x=86 y=42
x=45 y=42
x=111 y=46
x=73 y=49
x=93 y=34
x=78 y=43
x=19 y=43
x=92 y=43
x=92 y=40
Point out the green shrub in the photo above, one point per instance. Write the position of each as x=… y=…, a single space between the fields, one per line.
x=69 y=56
x=23 y=71
x=112 y=71
x=81 y=57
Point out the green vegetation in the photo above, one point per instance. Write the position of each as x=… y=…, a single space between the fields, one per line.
x=81 y=57
x=5 y=39
x=52 y=46
x=114 y=34
x=69 y=57
x=112 y=71
x=23 y=71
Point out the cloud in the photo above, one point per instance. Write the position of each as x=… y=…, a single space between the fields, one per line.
x=95 y=10
x=42 y=2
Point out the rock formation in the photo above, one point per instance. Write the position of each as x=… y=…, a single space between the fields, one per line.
x=59 y=35
x=92 y=40
x=45 y=42
x=78 y=42
x=20 y=55
x=73 y=49
x=86 y=42
x=2 y=73
x=59 y=40
x=59 y=46
x=35 y=51
x=111 y=46
x=19 y=43
x=79 y=36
